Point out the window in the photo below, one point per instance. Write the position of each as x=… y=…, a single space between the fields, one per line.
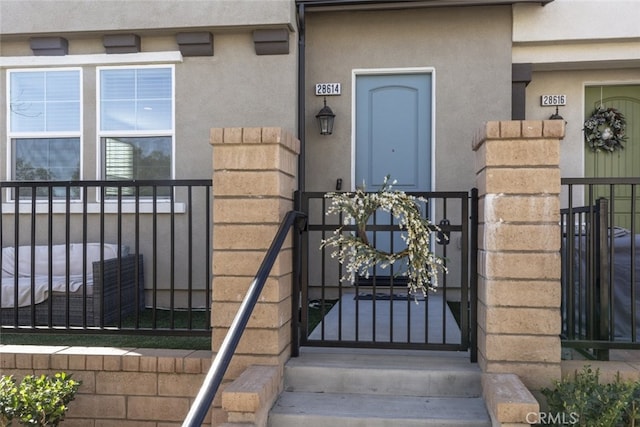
x=136 y=122
x=44 y=125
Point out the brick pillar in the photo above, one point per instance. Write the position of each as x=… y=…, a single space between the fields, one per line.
x=518 y=179
x=254 y=178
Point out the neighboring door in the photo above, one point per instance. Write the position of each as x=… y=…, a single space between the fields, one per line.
x=393 y=138
x=622 y=163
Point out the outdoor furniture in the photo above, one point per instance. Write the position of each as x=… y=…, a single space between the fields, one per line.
x=98 y=295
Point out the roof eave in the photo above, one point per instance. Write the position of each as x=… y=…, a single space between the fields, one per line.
x=402 y=4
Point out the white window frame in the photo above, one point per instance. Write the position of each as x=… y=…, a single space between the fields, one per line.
x=36 y=135
x=135 y=133
x=133 y=60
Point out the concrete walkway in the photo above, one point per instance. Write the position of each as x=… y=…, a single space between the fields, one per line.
x=352 y=319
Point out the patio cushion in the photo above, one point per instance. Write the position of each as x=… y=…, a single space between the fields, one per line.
x=58 y=257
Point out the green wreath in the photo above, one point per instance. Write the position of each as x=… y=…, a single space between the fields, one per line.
x=355 y=252
x=605 y=130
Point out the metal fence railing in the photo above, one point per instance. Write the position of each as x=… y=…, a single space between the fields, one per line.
x=131 y=256
x=377 y=311
x=600 y=271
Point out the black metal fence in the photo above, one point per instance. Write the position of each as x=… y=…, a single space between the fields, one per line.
x=378 y=311
x=600 y=270
x=93 y=256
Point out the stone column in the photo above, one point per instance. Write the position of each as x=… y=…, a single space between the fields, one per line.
x=518 y=180
x=254 y=179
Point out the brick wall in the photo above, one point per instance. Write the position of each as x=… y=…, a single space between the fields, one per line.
x=120 y=387
x=254 y=179
x=518 y=180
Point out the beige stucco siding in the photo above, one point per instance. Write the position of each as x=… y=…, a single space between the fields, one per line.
x=577 y=34
x=571 y=44
x=572 y=84
x=245 y=89
x=53 y=17
x=576 y=20
x=233 y=88
x=469 y=49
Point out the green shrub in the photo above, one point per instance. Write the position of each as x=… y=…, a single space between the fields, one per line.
x=615 y=404
x=38 y=400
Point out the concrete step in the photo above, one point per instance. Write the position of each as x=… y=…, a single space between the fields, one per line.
x=354 y=388
x=385 y=373
x=295 y=409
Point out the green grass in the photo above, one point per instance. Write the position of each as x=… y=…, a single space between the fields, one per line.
x=94 y=340
x=454 y=306
x=316 y=313
x=162 y=319
x=150 y=339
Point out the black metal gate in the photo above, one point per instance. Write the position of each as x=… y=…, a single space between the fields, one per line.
x=378 y=311
x=600 y=265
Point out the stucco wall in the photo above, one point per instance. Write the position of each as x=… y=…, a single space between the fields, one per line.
x=576 y=20
x=233 y=88
x=577 y=34
x=572 y=84
x=114 y=15
x=470 y=50
x=571 y=44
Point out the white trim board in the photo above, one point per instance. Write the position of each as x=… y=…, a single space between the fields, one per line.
x=93 y=59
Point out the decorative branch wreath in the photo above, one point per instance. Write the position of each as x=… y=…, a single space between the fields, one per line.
x=358 y=256
x=605 y=130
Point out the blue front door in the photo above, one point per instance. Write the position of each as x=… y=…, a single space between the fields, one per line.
x=393 y=130
x=393 y=138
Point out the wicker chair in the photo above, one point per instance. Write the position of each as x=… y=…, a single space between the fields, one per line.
x=117 y=290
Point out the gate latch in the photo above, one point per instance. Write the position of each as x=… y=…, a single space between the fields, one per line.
x=443 y=235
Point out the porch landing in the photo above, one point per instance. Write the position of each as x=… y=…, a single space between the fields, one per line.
x=350 y=319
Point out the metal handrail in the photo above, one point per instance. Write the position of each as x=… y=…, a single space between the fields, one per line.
x=214 y=376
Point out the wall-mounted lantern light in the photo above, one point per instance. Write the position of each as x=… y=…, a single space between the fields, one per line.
x=325 y=119
x=556 y=115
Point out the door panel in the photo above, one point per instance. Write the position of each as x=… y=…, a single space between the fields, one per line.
x=623 y=163
x=393 y=131
x=627 y=162
x=393 y=137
